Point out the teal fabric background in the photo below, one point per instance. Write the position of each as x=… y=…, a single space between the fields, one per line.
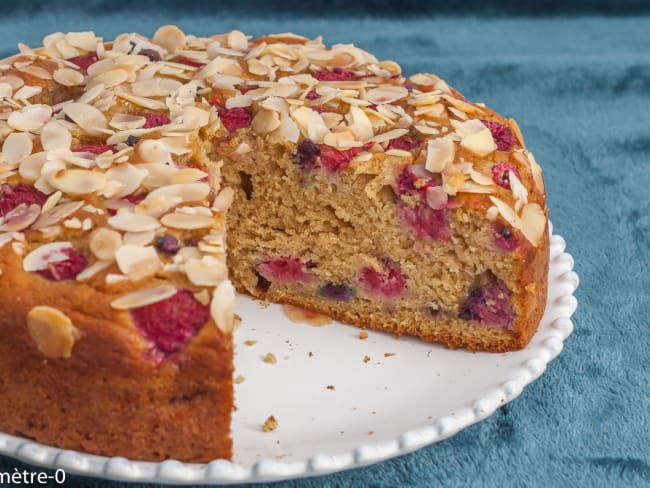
x=577 y=78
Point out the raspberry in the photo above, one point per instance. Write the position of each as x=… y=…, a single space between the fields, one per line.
x=306 y=152
x=167 y=244
x=155 y=120
x=171 y=323
x=337 y=292
x=84 y=61
x=11 y=197
x=502 y=135
x=282 y=270
x=489 y=304
x=152 y=54
x=65 y=270
x=134 y=199
x=312 y=95
x=503 y=237
x=337 y=74
x=500 y=174
x=235 y=118
x=390 y=283
x=405 y=143
x=335 y=159
x=425 y=222
x=409 y=183
x=95 y=148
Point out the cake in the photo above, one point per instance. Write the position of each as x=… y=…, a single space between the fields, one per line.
x=350 y=190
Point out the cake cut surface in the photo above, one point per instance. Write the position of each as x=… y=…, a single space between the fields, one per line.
x=143 y=180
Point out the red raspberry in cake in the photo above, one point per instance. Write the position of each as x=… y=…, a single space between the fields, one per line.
x=413 y=179
x=501 y=134
x=389 y=283
x=321 y=109
x=490 y=304
x=425 y=222
x=65 y=270
x=84 y=61
x=312 y=95
x=501 y=176
x=283 y=270
x=171 y=323
x=337 y=74
x=152 y=54
x=95 y=148
x=335 y=160
x=404 y=142
x=155 y=120
x=235 y=118
x=11 y=197
x=306 y=153
x=504 y=237
x=337 y=291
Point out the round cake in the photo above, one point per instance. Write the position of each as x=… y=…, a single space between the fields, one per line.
x=143 y=181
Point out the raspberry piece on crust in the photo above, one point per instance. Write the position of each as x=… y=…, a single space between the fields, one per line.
x=405 y=143
x=155 y=120
x=282 y=270
x=152 y=54
x=65 y=270
x=337 y=74
x=167 y=244
x=235 y=118
x=312 y=95
x=389 y=283
x=84 y=61
x=95 y=148
x=502 y=135
x=171 y=323
x=11 y=197
x=504 y=237
x=501 y=174
x=490 y=304
x=335 y=160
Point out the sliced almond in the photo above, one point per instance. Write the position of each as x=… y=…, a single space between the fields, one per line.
x=55 y=136
x=133 y=222
x=30 y=167
x=86 y=116
x=68 y=77
x=533 y=223
x=207 y=271
x=265 y=121
x=93 y=269
x=186 y=221
x=437 y=198
x=310 y=123
x=129 y=176
x=16 y=147
x=440 y=152
x=52 y=331
x=20 y=217
x=507 y=212
x=57 y=214
x=188 y=175
x=76 y=181
x=223 y=200
x=137 y=262
x=31 y=118
x=127 y=121
x=475 y=136
x=155 y=87
x=40 y=257
x=386 y=94
x=144 y=297
x=139 y=238
x=170 y=37
x=536 y=170
x=237 y=40
x=223 y=305
x=105 y=242
x=359 y=124
x=187 y=192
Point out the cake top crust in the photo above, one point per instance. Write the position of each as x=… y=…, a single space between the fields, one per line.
x=103 y=146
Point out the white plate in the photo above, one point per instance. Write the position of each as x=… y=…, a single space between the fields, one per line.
x=379 y=409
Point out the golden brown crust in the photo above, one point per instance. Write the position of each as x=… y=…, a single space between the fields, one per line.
x=109 y=398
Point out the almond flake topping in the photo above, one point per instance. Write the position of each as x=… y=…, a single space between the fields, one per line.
x=30 y=118
x=137 y=262
x=17 y=147
x=86 y=116
x=133 y=222
x=144 y=297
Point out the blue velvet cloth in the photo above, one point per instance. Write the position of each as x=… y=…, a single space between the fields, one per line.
x=579 y=85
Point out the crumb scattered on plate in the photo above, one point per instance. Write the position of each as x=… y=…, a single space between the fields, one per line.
x=363 y=335
x=250 y=342
x=366 y=359
x=388 y=354
x=270 y=424
x=311 y=354
x=371 y=432
x=239 y=379
x=331 y=387
x=270 y=358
